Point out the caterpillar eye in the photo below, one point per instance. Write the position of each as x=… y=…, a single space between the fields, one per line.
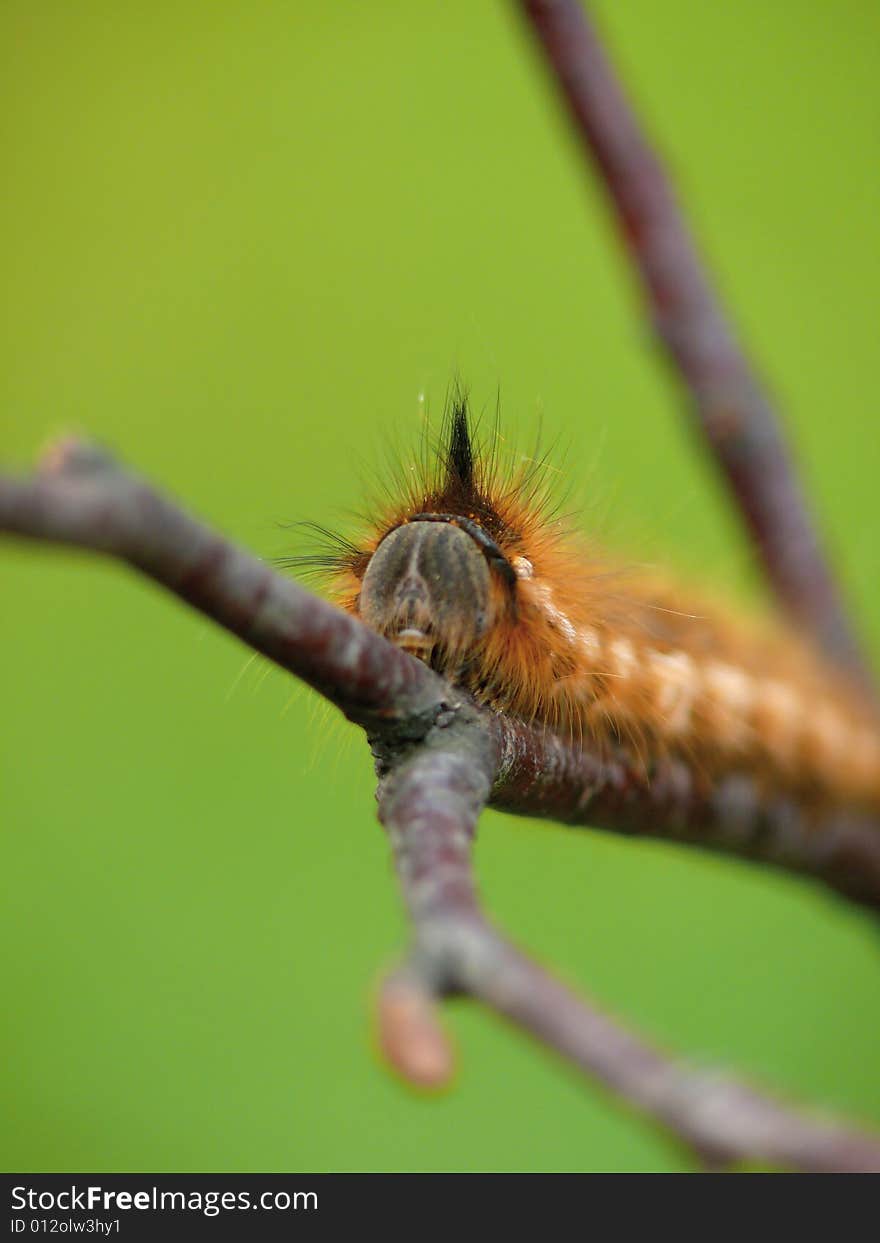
x=429 y=587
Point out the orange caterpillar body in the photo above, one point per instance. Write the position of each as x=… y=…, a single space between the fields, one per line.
x=468 y=571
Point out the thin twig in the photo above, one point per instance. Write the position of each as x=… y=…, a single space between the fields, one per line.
x=81 y=496
x=429 y=802
x=729 y=406
x=542 y=776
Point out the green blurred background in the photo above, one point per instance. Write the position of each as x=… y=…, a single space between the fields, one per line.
x=238 y=241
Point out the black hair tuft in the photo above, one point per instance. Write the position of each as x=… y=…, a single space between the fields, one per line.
x=460 y=452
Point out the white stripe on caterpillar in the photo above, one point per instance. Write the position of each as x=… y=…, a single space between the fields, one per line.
x=677 y=684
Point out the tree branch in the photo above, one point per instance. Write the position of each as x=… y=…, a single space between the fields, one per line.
x=80 y=496
x=542 y=776
x=440 y=758
x=429 y=801
x=731 y=411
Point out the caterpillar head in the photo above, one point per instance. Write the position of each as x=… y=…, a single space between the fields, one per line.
x=436 y=581
x=441 y=566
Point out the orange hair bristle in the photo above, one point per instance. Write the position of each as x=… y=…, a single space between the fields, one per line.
x=469 y=569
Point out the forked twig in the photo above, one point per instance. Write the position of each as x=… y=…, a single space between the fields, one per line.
x=729 y=405
x=440 y=758
x=429 y=803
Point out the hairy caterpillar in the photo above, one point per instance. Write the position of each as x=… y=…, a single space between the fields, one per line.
x=468 y=568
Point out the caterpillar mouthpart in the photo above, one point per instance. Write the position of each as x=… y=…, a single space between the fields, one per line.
x=417 y=642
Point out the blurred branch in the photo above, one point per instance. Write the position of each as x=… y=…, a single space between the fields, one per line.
x=440 y=758
x=729 y=405
x=429 y=801
x=80 y=496
x=542 y=776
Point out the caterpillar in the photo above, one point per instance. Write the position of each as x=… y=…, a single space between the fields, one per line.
x=467 y=566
